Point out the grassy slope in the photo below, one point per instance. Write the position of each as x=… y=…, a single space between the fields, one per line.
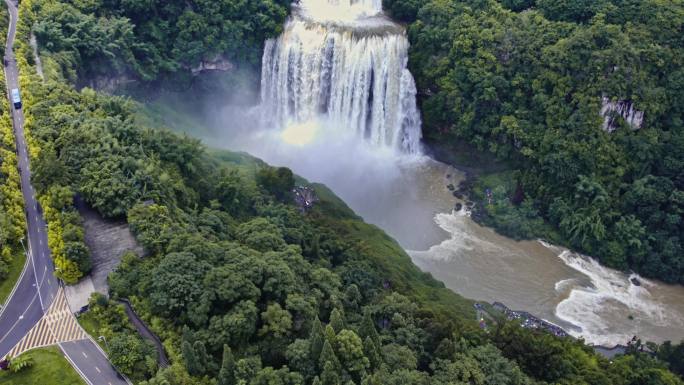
x=159 y=113
x=16 y=267
x=386 y=253
x=91 y=326
x=49 y=367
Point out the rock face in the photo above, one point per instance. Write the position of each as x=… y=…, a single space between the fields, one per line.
x=108 y=241
x=219 y=63
x=612 y=109
x=109 y=84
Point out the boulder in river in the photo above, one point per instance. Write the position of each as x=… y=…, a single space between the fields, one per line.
x=451 y=187
x=458 y=206
x=457 y=194
x=635 y=281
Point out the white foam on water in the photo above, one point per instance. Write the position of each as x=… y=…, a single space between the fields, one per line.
x=340 y=10
x=611 y=293
x=562 y=285
x=459 y=241
x=338 y=74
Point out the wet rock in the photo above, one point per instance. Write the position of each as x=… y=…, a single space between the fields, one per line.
x=635 y=281
x=457 y=194
x=218 y=63
x=451 y=187
x=458 y=206
x=612 y=109
x=470 y=204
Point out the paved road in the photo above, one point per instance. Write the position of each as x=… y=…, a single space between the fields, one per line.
x=90 y=362
x=37 y=287
x=58 y=325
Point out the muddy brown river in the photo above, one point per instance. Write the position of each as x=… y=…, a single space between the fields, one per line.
x=408 y=198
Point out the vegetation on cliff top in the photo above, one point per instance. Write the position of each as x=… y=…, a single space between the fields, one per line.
x=244 y=288
x=526 y=80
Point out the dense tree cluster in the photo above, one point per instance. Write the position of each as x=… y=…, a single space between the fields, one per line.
x=108 y=323
x=244 y=288
x=673 y=354
x=149 y=39
x=527 y=81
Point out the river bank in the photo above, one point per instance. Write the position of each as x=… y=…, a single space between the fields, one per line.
x=602 y=305
x=408 y=197
x=498 y=311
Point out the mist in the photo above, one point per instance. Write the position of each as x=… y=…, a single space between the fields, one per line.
x=332 y=119
x=382 y=185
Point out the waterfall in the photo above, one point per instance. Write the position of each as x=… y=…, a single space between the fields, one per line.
x=340 y=10
x=351 y=71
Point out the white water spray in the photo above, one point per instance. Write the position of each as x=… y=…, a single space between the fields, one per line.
x=336 y=88
x=611 y=292
x=350 y=72
x=340 y=10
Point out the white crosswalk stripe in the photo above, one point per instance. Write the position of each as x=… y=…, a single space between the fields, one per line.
x=57 y=325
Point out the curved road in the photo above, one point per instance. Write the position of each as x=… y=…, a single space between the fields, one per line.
x=37 y=287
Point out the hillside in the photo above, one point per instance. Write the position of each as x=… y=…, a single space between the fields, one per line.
x=581 y=99
x=240 y=284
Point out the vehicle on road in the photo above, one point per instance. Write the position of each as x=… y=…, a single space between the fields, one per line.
x=16 y=98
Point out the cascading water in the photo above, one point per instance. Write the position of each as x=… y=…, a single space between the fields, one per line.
x=350 y=71
x=340 y=10
x=338 y=75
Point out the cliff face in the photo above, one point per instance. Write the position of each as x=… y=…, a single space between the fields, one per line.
x=218 y=63
x=109 y=84
x=611 y=110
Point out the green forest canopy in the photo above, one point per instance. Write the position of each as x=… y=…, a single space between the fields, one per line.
x=524 y=80
x=244 y=288
x=151 y=39
x=521 y=79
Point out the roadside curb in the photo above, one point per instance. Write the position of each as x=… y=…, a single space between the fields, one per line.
x=96 y=345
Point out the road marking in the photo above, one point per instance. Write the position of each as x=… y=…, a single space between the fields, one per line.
x=98 y=369
x=84 y=355
x=35 y=275
x=17 y=321
x=16 y=285
x=73 y=364
x=57 y=325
